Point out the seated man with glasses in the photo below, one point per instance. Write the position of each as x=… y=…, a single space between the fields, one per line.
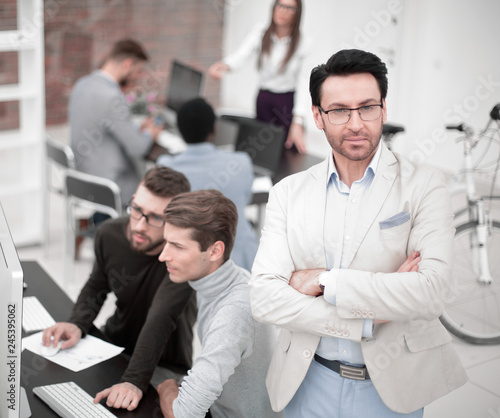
x=154 y=317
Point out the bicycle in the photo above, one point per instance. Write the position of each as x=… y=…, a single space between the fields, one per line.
x=472 y=311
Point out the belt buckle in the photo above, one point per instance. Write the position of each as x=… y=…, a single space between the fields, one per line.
x=354 y=373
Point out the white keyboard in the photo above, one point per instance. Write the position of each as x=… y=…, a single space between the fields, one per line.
x=35 y=316
x=69 y=400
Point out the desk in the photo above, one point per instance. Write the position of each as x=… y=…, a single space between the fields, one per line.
x=292 y=162
x=37 y=371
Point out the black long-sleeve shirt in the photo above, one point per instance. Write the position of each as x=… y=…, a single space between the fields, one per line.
x=154 y=317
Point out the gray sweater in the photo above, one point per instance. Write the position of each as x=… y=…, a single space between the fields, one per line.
x=228 y=377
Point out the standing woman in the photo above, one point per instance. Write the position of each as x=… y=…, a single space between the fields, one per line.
x=281 y=50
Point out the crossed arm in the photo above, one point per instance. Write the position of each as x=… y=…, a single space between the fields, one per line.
x=306 y=281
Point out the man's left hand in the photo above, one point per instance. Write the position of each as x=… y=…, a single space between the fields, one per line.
x=168 y=392
x=306 y=281
x=122 y=395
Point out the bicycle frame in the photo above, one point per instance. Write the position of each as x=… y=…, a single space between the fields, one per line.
x=474 y=314
x=475 y=206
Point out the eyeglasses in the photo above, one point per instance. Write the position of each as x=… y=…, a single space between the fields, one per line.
x=286 y=8
x=153 y=220
x=341 y=116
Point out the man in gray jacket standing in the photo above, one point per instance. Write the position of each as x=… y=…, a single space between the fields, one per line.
x=227 y=378
x=103 y=137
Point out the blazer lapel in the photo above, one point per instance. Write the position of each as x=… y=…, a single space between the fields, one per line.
x=314 y=214
x=375 y=197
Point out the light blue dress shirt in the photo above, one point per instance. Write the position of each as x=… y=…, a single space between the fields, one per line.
x=341 y=217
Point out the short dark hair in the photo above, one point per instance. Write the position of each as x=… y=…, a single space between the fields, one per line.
x=165 y=182
x=347 y=62
x=128 y=48
x=211 y=216
x=195 y=120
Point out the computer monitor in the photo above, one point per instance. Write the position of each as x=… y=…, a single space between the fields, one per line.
x=11 y=307
x=263 y=142
x=185 y=84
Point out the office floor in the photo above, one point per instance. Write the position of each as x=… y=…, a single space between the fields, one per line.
x=479 y=398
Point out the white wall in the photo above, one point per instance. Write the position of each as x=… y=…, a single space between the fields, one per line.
x=442 y=57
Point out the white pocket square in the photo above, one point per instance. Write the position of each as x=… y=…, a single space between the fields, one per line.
x=398 y=219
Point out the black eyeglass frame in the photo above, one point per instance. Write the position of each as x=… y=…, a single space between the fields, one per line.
x=131 y=207
x=381 y=105
x=289 y=9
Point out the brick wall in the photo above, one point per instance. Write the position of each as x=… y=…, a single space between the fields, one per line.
x=9 y=111
x=79 y=33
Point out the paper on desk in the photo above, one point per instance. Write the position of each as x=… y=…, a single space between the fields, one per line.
x=172 y=142
x=86 y=353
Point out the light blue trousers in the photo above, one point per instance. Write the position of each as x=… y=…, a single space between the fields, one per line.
x=324 y=394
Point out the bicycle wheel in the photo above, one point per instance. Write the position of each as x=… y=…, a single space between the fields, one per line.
x=472 y=310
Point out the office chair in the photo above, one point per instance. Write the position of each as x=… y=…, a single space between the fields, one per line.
x=89 y=192
x=60 y=158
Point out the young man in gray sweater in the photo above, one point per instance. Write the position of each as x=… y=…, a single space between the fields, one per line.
x=227 y=378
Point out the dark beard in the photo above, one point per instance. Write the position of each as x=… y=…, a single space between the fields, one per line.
x=147 y=247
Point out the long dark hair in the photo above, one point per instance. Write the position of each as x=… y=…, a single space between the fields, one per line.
x=295 y=37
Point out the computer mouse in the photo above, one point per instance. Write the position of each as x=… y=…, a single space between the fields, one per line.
x=50 y=350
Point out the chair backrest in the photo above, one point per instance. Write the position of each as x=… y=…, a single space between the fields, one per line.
x=93 y=192
x=60 y=158
x=59 y=154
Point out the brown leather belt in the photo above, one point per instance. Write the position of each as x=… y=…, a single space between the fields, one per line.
x=349 y=372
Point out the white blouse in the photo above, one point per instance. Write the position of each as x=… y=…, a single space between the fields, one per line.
x=292 y=79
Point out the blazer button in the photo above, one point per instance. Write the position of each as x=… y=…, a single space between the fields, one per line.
x=371 y=315
x=352 y=312
x=346 y=333
x=358 y=314
x=339 y=333
x=306 y=353
x=364 y=314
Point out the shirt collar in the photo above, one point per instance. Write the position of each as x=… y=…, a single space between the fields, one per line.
x=202 y=146
x=333 y=176
x=284 y=40
x=216 y=282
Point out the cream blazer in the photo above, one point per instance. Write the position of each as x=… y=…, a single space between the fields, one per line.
x=410 y=359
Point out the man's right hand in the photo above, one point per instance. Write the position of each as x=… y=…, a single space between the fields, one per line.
x=150 y=126
x=66 y=331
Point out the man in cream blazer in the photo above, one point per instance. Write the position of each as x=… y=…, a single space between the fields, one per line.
x=377 y=287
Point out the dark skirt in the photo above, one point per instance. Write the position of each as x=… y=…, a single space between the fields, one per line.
x=275 y=108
